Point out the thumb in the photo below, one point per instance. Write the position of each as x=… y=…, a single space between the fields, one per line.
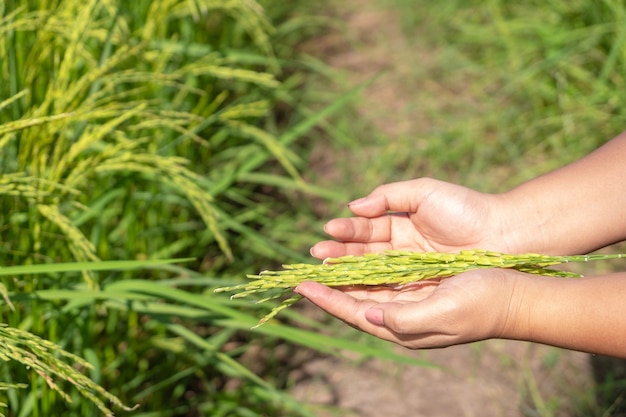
x=406 y=318
x=376 y=316
x=399 y=318
x=411 y=327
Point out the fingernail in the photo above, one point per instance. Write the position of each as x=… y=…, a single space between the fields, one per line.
x=375 y=316
x=357 y=201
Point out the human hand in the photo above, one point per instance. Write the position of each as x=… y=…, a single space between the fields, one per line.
x=419 y=215
x=471 y=306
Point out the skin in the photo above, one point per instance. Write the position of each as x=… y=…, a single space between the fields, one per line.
x=576 y=209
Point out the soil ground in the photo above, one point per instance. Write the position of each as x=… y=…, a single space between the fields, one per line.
x=488 y=379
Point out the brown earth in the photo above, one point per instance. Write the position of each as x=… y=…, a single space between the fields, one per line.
x=488 y=379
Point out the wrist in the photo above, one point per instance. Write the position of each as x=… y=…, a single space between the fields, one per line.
x=506 y=315
x=522 y=225
x=516 y=322
x=558 y=312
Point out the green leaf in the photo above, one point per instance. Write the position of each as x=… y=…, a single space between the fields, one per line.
x=86 y=266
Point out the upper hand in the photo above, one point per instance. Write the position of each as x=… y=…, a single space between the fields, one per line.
x=419 y=215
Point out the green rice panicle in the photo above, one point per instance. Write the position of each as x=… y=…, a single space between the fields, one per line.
x=395 y=268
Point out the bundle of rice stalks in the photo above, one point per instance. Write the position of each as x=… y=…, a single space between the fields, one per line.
x=395 y=268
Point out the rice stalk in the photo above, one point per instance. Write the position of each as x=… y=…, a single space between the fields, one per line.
x=213 y=64
x=5 y=387
x=82 y=249
x=14 y=126
x=395 y=268
x=10 y=100
x=171 y=170
x=251 y=16
x=19 y=184
x=49 y=361
x=282 y=154
x=92 y=136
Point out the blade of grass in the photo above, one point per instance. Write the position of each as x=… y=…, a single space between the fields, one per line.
x=85 y=266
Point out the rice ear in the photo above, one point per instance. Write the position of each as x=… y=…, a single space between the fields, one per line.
x=395 y=268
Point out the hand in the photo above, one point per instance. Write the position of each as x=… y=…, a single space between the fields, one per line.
x=418 y=215
x=472 y=306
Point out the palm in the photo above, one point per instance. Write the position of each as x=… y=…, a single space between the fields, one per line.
x=431 y=313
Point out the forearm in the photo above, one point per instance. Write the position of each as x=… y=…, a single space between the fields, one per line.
x=576 y=209
x=585 y=314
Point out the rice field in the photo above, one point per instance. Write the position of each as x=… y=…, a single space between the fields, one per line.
x=151 y=152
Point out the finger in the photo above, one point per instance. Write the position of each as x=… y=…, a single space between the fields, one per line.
x=360 y=229
x=402 y=196
x=334 y=249
x=341 y=305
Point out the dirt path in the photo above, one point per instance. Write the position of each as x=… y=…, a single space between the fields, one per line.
x=487 y=379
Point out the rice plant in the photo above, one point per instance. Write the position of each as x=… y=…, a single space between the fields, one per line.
x=112 y=105
x=48 y=360
x=142 y=131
